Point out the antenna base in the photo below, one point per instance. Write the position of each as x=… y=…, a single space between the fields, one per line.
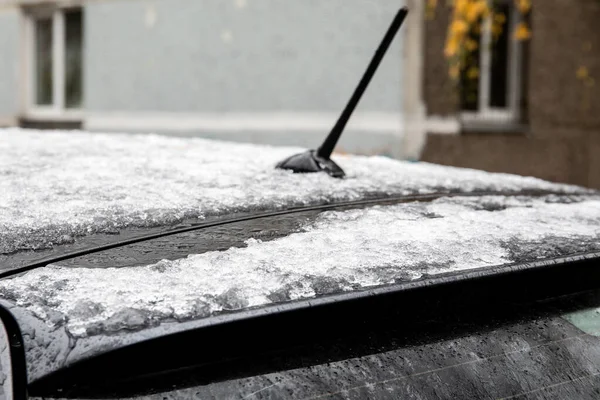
x=309 y=161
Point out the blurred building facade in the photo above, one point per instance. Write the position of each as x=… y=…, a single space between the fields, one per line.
x=279 y=72
x=266 y=71
x=535 y=109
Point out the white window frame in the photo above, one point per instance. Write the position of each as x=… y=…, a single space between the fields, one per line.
x=57 y=110
x=485 y=112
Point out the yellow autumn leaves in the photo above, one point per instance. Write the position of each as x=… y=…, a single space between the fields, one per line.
x=468 y=19
x=522 y=31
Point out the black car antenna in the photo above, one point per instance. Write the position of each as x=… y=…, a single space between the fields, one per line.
x=319 y=160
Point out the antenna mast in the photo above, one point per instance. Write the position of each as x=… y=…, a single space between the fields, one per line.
x=319 y=160
x=329 y=144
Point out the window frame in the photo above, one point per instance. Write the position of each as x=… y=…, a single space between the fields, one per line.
x=57 y=110
x=485 y=112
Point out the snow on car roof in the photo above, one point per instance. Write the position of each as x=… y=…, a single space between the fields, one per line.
x=57 y=185
x=341 y=251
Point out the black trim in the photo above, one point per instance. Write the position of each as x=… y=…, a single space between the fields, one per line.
x=293 y=210
x=226 y=346
x=17 y=354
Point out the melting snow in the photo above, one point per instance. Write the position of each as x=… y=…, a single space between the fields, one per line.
x=340 y=251
x=58 y=185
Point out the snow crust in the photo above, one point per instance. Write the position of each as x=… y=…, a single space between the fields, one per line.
x=55 y=186
x=339 y=251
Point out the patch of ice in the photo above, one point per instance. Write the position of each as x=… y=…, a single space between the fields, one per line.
x=340 y=251
x=57 y=185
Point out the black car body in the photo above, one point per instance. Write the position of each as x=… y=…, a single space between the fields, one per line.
x=151 y=267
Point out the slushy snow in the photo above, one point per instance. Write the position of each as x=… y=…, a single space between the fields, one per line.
x=55 y=186
x=339 y=251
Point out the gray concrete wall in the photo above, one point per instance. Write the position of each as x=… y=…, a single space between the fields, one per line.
x=9 y=63
x=237 y=56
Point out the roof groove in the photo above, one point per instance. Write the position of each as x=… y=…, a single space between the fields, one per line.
x=321 y=207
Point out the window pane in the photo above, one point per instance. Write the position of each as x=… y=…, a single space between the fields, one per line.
x=499 y=61
x=43 y=61
x=73 y=58
x=469 y=76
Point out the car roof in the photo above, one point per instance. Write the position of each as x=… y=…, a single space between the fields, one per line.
x=233 y=237
x=61 y=185
x=66 y=191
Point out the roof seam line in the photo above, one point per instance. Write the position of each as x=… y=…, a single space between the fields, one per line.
x=268 y=214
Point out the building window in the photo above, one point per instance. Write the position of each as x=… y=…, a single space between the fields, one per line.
x=55 y=40
x=493 y=93
x=43 y=62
